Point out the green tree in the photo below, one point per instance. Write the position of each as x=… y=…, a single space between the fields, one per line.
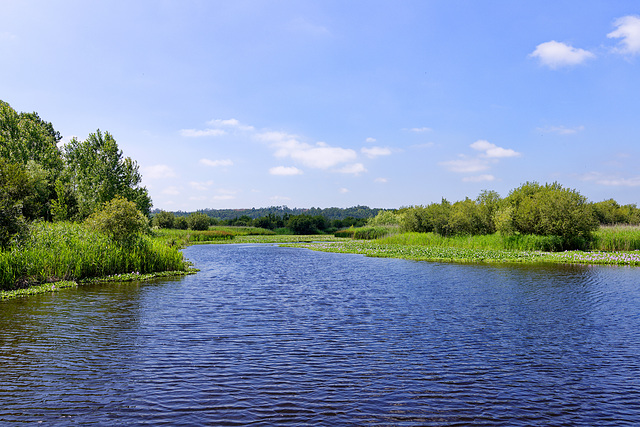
x=98 y=172
x=119 y=219
x=551 y=210
x=181 y=223
x=164 y=219
x=25 y=136
x=14 y=183
x=302 y=224
x=198 y=221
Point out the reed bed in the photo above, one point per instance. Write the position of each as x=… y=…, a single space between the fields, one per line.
x=617 y=238
x=66 y=251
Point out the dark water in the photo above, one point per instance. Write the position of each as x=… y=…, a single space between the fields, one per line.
x=266 y=335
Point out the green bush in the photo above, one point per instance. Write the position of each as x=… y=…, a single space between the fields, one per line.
x=119 y=219
x=370 y=233
x=198 y=221
x=163 y=219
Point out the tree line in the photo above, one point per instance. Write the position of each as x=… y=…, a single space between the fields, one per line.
x=358 y=212
x=531 y=209
x=285 y=223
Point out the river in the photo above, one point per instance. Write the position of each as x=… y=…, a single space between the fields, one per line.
x=268 y=335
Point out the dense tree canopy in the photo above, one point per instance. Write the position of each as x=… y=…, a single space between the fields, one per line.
x=98 y=172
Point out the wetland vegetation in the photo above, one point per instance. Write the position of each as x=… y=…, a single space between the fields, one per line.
x=78 y=212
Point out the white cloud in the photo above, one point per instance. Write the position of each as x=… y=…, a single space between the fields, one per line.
x=172 y=191
x=561 y=130
x=232 y=123
x=420 y=130
x=554 y=54
x=492 y=150
x=370 y=140
x=612 y=180
x=465 y=165
x=225 y=195
x=285 y=171
x=195 y=133
x=356 y=168
x=216 y=163
x=375 y=151
x=320 y=155
x=158 y=172
x=343 y=190
x=381 y=180
x=201 y=186
x=629 y=31
x=479 y=178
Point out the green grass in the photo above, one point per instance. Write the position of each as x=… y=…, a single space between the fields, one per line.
x=617 y=238
x=65 y=251
x=472 y=255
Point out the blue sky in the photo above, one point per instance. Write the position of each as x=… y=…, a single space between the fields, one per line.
x=239 y=104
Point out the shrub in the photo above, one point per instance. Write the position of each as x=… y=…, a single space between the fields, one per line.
x=181 y=223
x=163 y=219
x=384 y=218
x=119 y=219
x=198 y=221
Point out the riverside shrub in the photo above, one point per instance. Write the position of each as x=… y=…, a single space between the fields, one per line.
x=119 y=219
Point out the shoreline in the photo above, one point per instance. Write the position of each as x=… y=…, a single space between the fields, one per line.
x=44 y=288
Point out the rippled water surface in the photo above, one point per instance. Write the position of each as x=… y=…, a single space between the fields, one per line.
x=267 y=335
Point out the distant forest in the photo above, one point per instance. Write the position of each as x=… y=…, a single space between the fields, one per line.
x=357 y=212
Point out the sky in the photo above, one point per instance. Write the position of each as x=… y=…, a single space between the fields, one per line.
x=243 y=103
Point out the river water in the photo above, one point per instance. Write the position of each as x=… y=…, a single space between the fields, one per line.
x=267 y=335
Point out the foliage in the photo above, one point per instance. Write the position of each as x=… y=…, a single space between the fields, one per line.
x=67 y=251
x=163 y=219
x=198 y=221
x=181 y=223
x=610 y=212
x=13 y=190
x=119 y=219
x=349 y=233
x=383 y=218
x=617 y=238
x=551 y=210
x=98 y=172
x=25 y=137
x=370 y=233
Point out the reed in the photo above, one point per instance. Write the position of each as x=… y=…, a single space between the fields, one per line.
x=66 y=251
x=617 y=238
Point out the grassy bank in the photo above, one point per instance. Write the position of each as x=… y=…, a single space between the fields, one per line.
x=70 y=252
x=472 y=255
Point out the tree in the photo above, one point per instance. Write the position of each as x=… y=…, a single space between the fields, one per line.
x=13 y=190
x=551 y=210
x=164 y=219
x=98 y=172
x=119 y=219
x=198 y=221
x=302 y=224
x=25 y=136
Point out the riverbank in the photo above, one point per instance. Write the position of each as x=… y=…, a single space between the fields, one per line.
x=466 y=255
x=57 y=286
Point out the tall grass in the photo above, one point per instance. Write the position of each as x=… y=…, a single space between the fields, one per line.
x=489 y=242
x=617 y=238
x=66 y=251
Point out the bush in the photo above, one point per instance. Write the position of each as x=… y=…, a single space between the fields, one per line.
x=349 y=233
x=181 y=223
x=198 y=221
x=119 y=219
x=384 y=218
x=13 y=190
x=370 y=233
x=163 y=219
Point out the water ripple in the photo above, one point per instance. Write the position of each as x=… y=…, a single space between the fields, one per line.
x=266 y=335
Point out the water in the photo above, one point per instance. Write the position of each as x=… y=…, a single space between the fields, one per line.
x=266 y=335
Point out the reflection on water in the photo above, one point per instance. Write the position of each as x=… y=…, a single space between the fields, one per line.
x=266 y=335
